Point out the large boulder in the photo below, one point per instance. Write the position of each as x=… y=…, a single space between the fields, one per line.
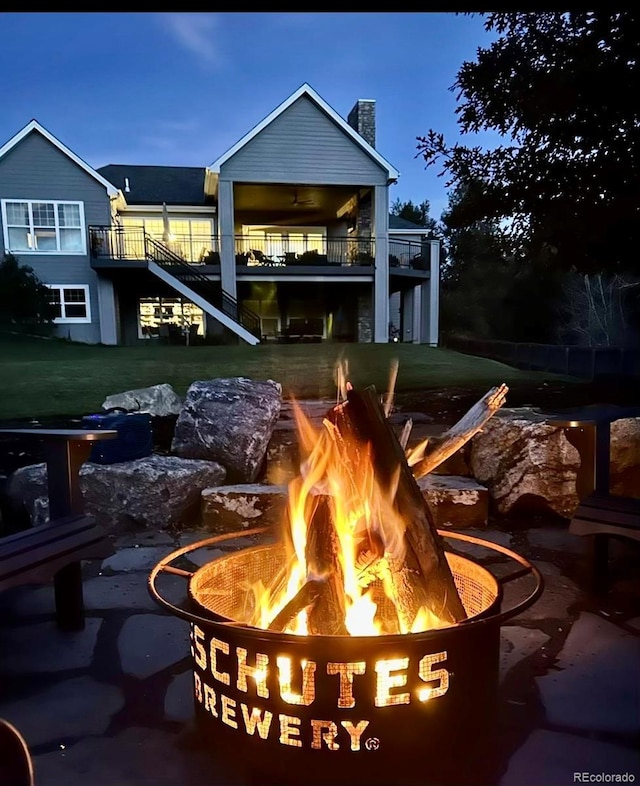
x=530 y=465
x=229 y=421
x=159 y=401
x=232 y=508
x=155 y=491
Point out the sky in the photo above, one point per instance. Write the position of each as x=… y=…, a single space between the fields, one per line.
x=179 y=89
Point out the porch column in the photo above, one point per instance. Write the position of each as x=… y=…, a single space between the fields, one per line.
x=432 y=334
x=381 y=275
x=226 y=229
x=107 y=312
x=407 y=315
x=417 y=314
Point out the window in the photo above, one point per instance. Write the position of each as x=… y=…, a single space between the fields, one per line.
x=71 y=302
x=43 y=227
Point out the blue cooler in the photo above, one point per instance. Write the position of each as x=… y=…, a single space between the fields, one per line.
x=134 y=440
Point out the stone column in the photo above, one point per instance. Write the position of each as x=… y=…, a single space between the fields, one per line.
x=381 y=277
x=227 y=237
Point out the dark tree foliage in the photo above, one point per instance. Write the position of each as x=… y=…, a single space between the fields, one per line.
x=561 y=88
x=418 y=214
x=491 y=288
x=24 y=299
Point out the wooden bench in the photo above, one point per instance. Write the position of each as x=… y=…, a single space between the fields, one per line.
x=55 y=550
x=599 y=514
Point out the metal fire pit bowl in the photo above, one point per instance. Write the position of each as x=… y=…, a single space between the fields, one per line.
x=388 y=710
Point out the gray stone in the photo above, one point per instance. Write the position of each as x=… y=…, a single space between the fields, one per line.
x=73 y=708
x=230 y=421
x=476 y=551
x=558 y=595
x=178 y=701
x=135 y=757
x=550 y=758
x=231 y=508
x=158 y=400
x=597 y=686
x=556 y=539
x=529 y=465
x=455 y=501
x=516 y=644
x=525 y=462
x=155 y=491
x=43 y=647
x=149 y=643
x=145 y=537
x=135 y=559
x=123 y=591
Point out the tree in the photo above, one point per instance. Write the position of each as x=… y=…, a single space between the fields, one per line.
x=418 y=214
x=24 y=299
x=559 y=89
x=491 y=287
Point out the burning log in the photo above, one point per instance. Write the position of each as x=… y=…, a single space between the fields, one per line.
x=327 y=614
x=306 y=596
x=422 y=577
x=426 y=456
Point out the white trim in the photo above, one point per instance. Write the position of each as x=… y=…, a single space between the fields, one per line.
x=306 y=90
x=419 y=231
x=33 y=125
x=73 y=320
x=210 y=210
x=37 y=251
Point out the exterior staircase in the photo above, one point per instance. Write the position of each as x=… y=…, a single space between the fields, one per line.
x=185 y=279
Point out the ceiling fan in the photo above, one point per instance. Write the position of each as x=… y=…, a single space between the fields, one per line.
x=300 y=202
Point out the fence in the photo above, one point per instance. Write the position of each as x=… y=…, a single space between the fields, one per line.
x=587 y=362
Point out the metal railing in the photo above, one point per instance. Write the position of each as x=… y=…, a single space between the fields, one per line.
x=288 y=252
x=200 y=284
x=122 y=243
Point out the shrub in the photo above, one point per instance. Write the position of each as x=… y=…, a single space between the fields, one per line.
x=24 y=300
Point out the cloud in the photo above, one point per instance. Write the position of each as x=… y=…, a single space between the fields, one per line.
x=195 y=32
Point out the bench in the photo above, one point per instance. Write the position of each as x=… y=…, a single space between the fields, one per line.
x=55 y=550
x=599 y=514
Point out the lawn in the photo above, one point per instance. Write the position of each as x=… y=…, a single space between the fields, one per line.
x=57 y=378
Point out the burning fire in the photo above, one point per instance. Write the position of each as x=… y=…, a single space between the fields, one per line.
x=337 y=504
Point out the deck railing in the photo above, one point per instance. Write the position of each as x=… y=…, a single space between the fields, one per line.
x=123 y=243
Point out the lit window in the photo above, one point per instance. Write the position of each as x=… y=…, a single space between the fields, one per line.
x=35 y=227
x=71 y=303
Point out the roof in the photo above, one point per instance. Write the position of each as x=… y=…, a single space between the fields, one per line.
x=32 y=126
x=307 y=90
x=149 y=185
x=396 y=222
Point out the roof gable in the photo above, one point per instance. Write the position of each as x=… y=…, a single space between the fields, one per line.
x=307 y=90
x=33 y=125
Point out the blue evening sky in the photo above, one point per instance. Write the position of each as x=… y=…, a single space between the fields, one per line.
x=181 y=88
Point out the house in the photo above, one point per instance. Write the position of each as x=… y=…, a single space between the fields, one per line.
x=290 y=225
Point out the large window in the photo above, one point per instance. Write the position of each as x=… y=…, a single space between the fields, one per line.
x=71 y=302
x=190 y=238
x=35 y=227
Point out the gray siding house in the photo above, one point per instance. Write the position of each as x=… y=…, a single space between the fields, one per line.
x=285 y=237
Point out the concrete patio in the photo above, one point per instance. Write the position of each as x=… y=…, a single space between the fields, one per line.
x=111 y=705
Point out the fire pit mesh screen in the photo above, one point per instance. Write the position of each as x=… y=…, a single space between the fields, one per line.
x=222 y=586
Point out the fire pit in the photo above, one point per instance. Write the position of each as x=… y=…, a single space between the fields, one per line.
x=280 y=708
x=356 y=649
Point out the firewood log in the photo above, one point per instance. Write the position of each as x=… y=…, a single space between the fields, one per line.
x=306 y=596
x=429 y=454
x=327 y=614
x=421 y=576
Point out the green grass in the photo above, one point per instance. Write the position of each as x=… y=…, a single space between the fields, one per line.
x=41 y=378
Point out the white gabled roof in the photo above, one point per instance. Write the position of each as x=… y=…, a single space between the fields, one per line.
x=33 y=125
x=306 y=90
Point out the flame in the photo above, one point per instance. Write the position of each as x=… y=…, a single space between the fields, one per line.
x=337 y=471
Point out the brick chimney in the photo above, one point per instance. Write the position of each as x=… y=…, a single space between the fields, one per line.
x=362 y=118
